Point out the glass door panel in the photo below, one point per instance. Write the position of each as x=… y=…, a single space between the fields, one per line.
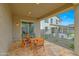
x=27 y=27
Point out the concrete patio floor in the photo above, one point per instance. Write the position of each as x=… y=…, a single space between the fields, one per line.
x=50 y=49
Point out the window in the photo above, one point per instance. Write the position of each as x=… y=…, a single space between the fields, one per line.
x=46 y=28
x=52 y=30
x=51 y=20
x=59 y=30
x=27 y=27
x=57 y=21
x=46 y=21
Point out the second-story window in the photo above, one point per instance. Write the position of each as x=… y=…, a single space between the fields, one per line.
x=57 y=21
x=51 y=20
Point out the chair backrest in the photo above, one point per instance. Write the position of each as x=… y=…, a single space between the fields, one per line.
x=39 y=41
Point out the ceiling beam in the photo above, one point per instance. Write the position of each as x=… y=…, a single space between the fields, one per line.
x=56 y=11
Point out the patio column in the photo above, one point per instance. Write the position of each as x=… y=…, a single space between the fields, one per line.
x=76 y=41
x=37 y=29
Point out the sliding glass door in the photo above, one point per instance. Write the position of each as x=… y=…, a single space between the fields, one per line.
x=27 y=27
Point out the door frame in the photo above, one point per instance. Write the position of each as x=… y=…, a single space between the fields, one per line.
x=21 y=25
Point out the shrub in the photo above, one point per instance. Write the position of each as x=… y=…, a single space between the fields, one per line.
x=71 y=46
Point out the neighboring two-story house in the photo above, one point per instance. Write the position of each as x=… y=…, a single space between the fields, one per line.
x=50 y=25
x=53 y=26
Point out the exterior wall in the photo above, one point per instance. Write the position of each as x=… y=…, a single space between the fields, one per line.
x=36 y=26
x=54 y=24
x=11 y=28
x=43 y=24
x=17 y=31
x=16 y=28
x=5 y=28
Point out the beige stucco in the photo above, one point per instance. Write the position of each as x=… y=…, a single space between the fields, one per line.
x=5 y=28
x=17 y=31
x=76 y=41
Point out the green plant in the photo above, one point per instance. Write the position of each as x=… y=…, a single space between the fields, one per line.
x=71 y=46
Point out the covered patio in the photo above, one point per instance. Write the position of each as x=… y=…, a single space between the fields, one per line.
x=50 y=49
x=12 y=15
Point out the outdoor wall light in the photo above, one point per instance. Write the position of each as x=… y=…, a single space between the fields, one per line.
x=17 y=24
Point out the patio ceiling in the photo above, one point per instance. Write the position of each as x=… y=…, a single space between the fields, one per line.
x=37 y=11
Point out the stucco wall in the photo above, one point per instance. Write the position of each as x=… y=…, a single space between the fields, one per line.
x=16 y=28
x=76 y=41
x=5 y=28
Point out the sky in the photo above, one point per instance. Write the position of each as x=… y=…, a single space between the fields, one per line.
x=67 y=17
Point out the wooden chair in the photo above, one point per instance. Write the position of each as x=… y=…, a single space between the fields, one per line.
x=39 y=41
x=38 y=44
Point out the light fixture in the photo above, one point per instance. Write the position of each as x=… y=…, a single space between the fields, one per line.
x=29 y=12
x=17 y=24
